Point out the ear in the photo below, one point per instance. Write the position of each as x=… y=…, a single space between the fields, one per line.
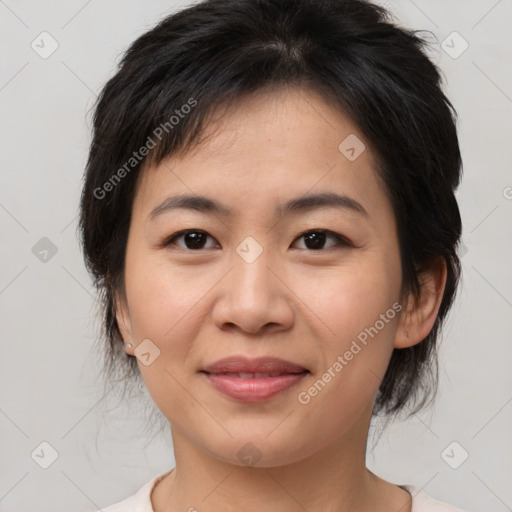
x=124 y=320
x=421 y=312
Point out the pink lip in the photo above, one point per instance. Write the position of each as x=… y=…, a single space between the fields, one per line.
x=236 y=364
x=255 y=389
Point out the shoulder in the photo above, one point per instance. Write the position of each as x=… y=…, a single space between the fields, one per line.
x=422 y=502
x=138 y=502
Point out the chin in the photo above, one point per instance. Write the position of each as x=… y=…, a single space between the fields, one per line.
x=260 y=450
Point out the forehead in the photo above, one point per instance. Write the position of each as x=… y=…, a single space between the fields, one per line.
x=270 y=147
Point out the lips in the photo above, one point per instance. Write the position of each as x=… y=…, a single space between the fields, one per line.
x=251 y=368
x=253 y=380
x=249 y=375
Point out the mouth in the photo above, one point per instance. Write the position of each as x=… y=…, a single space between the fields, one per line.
x=253 y=387
x=253 y=380
x=254 y=367
x=256 y=375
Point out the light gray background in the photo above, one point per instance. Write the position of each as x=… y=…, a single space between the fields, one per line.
x=49 y=390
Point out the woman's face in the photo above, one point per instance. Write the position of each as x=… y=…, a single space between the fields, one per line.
x=251 y=284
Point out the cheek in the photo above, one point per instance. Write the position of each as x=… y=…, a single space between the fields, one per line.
x=357 y=315
x=350 y=298
x=162 y=297
x=163 y=303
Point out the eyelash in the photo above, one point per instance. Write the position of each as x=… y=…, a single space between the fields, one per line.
x=342 y=240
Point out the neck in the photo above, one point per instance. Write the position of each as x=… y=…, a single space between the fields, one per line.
x=333 y=479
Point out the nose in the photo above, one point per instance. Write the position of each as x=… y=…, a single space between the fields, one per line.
x=254 y=297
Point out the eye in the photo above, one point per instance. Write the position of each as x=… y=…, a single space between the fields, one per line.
x=315 y=239
x=194 y=239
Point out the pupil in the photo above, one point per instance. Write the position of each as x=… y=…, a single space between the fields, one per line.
x=193 y=240
x=318 y=240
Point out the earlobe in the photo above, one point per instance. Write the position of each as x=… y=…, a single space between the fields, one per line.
x=421 y=311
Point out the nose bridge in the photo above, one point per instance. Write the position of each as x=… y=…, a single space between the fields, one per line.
x=252 y=297
x=251 y=274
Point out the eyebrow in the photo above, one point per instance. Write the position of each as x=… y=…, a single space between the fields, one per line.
x=299 y=204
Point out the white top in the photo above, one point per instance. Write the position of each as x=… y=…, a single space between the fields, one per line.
x=141 y=500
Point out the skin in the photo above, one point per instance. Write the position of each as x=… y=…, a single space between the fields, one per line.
x=301 y=304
